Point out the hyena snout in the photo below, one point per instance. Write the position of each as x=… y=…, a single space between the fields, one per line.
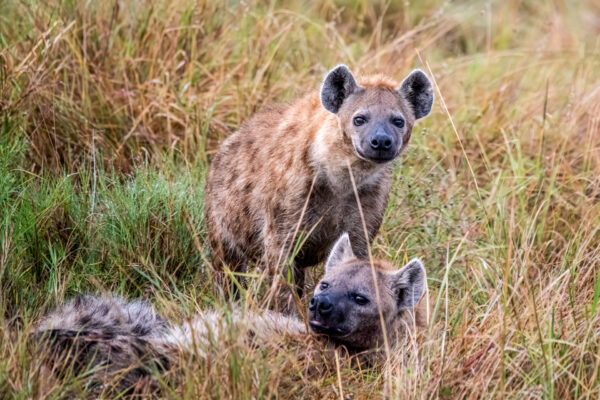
x=381 y=140
x=379 y=145
x=325 y=316
x=321 y=304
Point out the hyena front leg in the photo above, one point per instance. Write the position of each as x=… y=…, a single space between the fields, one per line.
x=289 y=285
x=225 y=260
x=373 y=201
x=288 y=278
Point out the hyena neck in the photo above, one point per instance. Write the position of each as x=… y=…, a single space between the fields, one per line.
x=331 y=153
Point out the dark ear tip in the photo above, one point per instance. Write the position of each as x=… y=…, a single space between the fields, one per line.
x=340 y=67
x=416 y=263
x=419 y=72
x=340 y=71
x=420 y=77
x=416 y=267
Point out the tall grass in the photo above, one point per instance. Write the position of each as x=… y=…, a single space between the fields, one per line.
x=110 y=112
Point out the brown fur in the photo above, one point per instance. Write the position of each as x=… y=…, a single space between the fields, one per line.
x=124 y=342
x=263 y=174
x=348 y=300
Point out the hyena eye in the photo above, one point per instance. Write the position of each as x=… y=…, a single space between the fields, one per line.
x=361 y=300
x=360 y=120
x=324 y=285
x=399 y=122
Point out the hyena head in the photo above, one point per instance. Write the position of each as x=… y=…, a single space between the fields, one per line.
x=345 y=307
x=377 y=115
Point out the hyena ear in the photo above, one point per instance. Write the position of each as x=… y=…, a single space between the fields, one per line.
x=408 y=284
x=417 y=90
x=337 y=86
x=341 y=251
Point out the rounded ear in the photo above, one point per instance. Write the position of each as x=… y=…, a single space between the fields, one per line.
x=340 y=252
x=408 y=284
x=337 y=86
x=417 y=90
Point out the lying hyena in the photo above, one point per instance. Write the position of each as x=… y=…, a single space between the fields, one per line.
x=263 y=175
x=127 y=340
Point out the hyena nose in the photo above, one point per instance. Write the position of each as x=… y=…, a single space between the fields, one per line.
x=325 y=306
x=381 y=141
x=321 y=304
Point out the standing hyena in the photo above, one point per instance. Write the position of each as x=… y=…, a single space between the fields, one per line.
x=263 y=174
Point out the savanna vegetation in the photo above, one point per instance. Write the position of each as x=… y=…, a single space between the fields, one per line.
x=110 y=112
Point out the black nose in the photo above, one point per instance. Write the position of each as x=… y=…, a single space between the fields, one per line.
x=312 y=304
x=322 y=304
x=381 y=141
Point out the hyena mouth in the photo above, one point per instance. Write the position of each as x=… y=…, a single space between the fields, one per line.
x=378 y=159
x=318 y=327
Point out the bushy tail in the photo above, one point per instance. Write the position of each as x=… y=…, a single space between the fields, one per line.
x=114 y=340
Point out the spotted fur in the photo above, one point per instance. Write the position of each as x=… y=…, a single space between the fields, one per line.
x=128 y=343
x=354 y=294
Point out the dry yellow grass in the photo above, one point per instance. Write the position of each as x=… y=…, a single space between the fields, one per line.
x=110 y=111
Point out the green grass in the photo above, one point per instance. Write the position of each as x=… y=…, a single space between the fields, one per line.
x=111 y=111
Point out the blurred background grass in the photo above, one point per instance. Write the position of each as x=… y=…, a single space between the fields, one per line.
x=110 y=112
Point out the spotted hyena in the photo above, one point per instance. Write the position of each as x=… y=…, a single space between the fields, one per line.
x=284 y=177
x=127 y=343
x=354 y=294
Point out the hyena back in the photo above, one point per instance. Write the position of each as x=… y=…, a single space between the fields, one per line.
x=262 y=176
